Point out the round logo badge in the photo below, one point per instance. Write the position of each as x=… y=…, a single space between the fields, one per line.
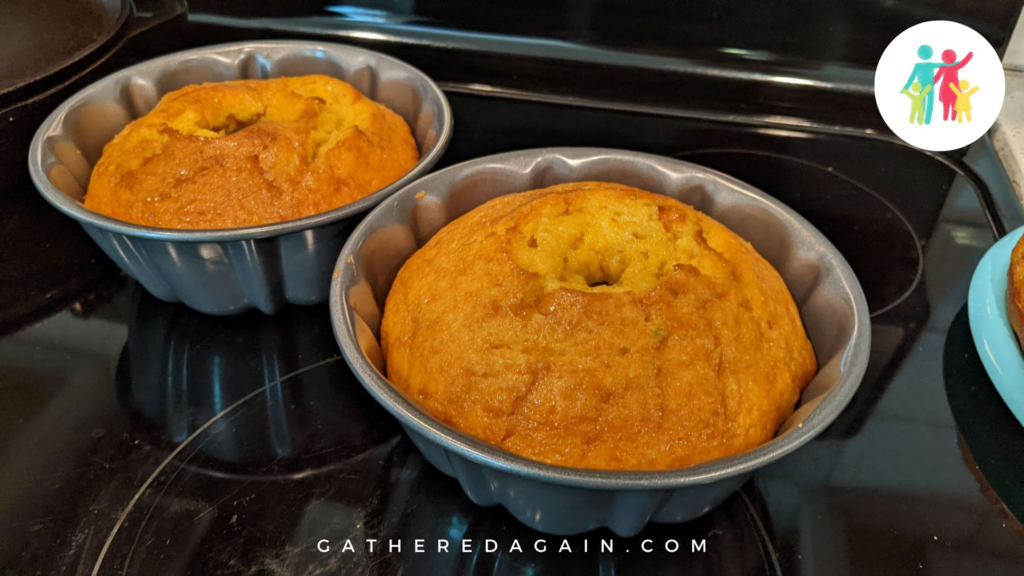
x=939 y=85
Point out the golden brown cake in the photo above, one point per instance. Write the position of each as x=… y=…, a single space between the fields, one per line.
x=1015 y=292
x=250 y=152
x=595 y=325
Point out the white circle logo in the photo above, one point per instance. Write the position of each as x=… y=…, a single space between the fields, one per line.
x=939 y=86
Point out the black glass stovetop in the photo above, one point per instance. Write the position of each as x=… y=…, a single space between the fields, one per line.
x=140 y=437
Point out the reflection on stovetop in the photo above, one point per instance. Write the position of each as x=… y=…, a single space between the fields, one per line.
x=217 y=383
x=148 y=438
x=292 y=459
x=990 y=436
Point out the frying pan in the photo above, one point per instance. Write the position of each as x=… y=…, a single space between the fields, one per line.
x=48 y=43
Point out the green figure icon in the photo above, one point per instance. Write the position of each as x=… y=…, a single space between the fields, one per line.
x=917 y=98
x=924 y=72
x=963 y=100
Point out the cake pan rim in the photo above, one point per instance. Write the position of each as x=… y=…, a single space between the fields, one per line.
x=481 y=453
x=77 y=210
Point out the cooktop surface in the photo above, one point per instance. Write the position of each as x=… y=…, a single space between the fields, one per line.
x=140 y=437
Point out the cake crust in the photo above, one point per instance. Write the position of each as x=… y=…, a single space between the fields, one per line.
x=595 y=325
x=250 y=152
x=1015 y=291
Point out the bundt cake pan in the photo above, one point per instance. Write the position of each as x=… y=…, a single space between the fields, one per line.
x=566 y=501
x=230 y=270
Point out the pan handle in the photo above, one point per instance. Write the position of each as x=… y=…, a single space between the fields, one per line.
x=147 y=14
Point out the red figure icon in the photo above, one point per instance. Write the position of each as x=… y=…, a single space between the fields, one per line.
x=949 y=74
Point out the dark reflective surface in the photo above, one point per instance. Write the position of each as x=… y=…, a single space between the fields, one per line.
x=804 y=60
x=254 y=395
x=138 y=437
x=366 y=483
x=806 y=31
x=143 y=438
x=48 y=260
x=990 y=435
x=848 y=212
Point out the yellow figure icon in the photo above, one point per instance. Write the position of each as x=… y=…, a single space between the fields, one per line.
x=963 y=100
x=917 y=101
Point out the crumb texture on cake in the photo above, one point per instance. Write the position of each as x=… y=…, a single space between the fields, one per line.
x=595 y=325
x=250 y=152
x=1015 y=291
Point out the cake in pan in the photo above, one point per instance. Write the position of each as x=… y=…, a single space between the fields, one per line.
x=250 y=152
x=594 y=325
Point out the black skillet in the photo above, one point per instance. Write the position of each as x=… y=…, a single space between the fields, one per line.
x=48 y=43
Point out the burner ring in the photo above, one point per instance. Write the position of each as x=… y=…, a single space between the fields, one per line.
x=857 y=232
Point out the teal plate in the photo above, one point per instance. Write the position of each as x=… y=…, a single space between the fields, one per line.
x=990 y=324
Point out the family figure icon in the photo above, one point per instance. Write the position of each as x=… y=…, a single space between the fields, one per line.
x=939 y=79
x=954 y=94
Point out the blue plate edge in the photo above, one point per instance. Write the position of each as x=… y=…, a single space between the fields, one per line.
x=990 y=325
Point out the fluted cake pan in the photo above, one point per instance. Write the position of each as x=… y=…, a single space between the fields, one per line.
x=560 y=500
x=230 y=270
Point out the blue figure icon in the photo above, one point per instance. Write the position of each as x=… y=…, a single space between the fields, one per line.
x=924 y=72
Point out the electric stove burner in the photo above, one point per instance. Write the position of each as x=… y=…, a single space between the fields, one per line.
x=269 y=437
x=187 y=520
x=869 y=231
x=252 y=467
